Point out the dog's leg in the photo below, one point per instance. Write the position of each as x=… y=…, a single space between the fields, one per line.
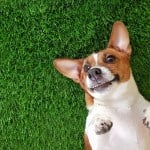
x=89 y=101
x=87 y=145
x=102 y=126
x=146 y=120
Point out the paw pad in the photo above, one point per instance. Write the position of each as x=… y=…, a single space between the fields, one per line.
x=102 y=126
x=146 y=120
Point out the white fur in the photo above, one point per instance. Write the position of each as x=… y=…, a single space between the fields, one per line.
x=95 y=56
x=123 y=105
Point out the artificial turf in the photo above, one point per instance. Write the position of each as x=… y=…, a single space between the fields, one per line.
x=39 y=108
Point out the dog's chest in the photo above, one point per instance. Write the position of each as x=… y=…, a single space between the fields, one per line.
x=127 y=130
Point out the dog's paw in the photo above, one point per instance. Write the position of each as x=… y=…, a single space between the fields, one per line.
x=102 y=126
x=146 y=120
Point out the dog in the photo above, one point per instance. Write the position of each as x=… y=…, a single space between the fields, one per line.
x=119 y=116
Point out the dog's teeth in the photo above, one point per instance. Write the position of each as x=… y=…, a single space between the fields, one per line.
x=99 y=85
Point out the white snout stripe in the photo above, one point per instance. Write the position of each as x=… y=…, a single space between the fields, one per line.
x=95 y=56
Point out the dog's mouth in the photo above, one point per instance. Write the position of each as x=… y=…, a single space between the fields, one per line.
x=103 y=85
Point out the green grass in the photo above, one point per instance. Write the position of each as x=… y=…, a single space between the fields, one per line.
x=39 y=108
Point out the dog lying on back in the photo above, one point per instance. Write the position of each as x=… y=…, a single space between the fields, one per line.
x=119 y=116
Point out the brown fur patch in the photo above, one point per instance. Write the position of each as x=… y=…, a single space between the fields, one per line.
x=88 y=99
x=121 y=66
x=87 y=145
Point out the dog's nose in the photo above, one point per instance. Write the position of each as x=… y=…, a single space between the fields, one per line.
x=94 y=74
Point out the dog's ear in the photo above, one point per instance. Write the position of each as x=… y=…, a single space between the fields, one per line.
x=119 y=38
x=70 y=68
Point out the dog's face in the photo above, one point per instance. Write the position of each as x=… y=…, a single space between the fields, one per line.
x=101 y=73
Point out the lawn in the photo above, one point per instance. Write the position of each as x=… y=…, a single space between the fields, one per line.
x=39 y=108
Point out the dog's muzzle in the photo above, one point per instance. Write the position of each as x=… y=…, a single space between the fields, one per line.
x=98 y=79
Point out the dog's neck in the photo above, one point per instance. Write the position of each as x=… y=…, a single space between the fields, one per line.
x=125 y=96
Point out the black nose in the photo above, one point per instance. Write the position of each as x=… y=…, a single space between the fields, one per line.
x=94 y=73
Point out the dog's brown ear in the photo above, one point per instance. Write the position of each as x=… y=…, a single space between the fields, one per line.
x=119 y=38
x=70 y=68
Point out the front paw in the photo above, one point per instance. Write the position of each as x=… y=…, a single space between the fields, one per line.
x=146 y=120
x=102 y=126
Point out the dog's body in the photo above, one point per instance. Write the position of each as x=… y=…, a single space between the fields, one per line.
x=119 y=117
x=127 y=131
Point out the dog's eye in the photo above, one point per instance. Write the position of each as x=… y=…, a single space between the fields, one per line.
x=86 y=67
x=110 y=59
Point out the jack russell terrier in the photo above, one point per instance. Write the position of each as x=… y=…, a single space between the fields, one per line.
x=119 y=116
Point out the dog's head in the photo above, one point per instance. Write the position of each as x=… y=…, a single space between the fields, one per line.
x=101 y=73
